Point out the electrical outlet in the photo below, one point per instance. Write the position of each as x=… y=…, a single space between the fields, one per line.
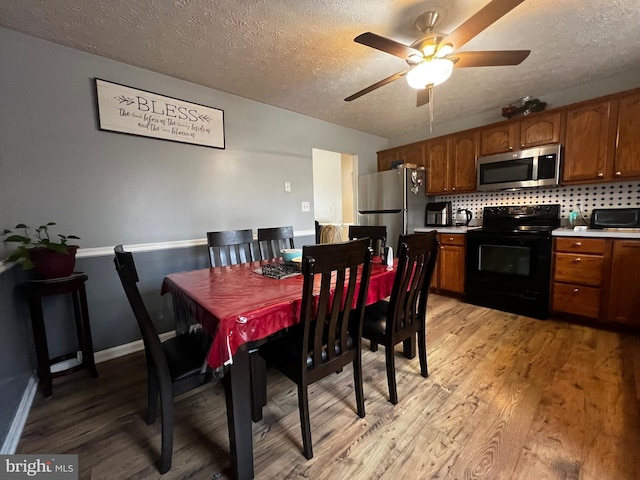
x=306 y=207
x=287 y=187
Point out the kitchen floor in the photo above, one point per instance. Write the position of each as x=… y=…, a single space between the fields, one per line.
x=508 y=397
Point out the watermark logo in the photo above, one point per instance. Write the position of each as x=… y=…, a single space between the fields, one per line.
x=50 y=467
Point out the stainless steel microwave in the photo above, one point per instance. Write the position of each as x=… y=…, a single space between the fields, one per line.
x=531 y=168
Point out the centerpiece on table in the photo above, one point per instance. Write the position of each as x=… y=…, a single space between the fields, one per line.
x=50 y=258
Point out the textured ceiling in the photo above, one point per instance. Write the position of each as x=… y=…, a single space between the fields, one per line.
x=300 y=55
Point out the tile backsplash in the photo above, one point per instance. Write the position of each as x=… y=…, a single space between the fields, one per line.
x=580 y=198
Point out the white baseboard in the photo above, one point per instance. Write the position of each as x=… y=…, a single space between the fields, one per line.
x=126 y=349
x=20 y=419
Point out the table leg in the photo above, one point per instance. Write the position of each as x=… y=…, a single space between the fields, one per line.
x=40 y=339
x=237 y=388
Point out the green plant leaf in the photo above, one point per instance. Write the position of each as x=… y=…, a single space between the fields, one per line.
x=74 y=237
x=21 y=225
x=18 y=239
x=28 y=264
x=57 y=247
x=6 y=231
x=51 y=223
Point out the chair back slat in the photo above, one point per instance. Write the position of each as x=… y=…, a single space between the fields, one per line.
x=332 y=318
x=230 y=247
x=272 y=240
x=376 y=233
x=416 y=264
x=126 y=268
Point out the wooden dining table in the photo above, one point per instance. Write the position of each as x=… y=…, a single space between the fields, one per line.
x=241 y=309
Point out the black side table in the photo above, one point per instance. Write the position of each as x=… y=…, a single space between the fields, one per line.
x=74 y=285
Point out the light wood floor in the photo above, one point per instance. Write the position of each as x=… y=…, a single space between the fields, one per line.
x=508 y=397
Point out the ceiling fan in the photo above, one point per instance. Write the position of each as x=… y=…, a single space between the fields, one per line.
x=431 y=59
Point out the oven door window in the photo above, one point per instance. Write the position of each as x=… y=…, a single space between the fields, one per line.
x=505 y=259
x=517 y=170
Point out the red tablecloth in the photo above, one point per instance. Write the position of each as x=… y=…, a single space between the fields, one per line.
x=237 y=305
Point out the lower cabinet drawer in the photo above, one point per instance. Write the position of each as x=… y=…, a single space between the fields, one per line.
x=576 y=299
x=582 y=269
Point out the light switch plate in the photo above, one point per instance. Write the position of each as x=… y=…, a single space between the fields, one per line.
x=306 y=207
x=287 y=187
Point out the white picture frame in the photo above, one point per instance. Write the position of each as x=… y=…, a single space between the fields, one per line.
x=133 y=111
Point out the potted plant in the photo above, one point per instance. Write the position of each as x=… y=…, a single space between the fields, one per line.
x=50 y=259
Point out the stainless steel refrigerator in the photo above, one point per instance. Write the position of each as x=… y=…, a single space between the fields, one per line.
x=394 y=198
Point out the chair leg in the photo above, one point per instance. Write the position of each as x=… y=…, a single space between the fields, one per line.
x=357 y=384
x=373 y=346
x=422 y=352
x=305 y=424
x=391 y=373
x=152 y=396
x=166 y=406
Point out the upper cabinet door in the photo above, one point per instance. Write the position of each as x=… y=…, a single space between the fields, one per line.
x=498 y=139
x=541 y=129
x=437 y=155
x=414 y=153
x=462 y=162
x=387 y=157
x=627 y=158
x=589 y=143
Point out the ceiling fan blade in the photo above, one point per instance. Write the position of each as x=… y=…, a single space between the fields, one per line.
x=386 y=45
x=484 y=17
x=423 y=97
x=489 y=58
x=379 y=84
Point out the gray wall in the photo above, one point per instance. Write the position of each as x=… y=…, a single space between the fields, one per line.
x=108 y=188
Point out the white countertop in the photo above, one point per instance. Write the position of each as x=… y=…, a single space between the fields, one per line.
x=597 y=233
x=445 y=229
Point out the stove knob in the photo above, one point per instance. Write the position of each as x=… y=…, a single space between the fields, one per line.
x=575 y=290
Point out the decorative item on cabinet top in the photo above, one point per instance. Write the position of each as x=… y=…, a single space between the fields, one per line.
x=527 y=105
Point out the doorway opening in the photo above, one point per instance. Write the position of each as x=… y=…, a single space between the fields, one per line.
x=335 y=183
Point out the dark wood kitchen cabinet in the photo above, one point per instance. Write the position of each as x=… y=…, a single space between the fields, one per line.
x=579 y=270
x=437 y=155
x=541 y=129
x=451 y=163
x=525 y=132
x=590 y=142
x=624 y=297
x=450 y=267
x=498 y=139
x=594 y=278
x=412 y=153
x=627 y=154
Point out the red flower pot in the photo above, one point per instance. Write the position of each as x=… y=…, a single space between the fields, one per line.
x=50 y=264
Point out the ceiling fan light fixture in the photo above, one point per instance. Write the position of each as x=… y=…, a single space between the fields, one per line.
x=432 y=72
x=444 y=50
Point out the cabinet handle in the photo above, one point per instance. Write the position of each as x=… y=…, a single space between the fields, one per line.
x=510 y=148
x=451 y=239
x=453 y=188
x=445 y=189
x=600 y=175
x=578 y=244
x=618 y=174
x=522 y=145
x=577 y=260
x=575 y=290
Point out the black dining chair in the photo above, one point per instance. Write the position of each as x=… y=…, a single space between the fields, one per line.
x=230 y=247
x=326 y=340
x=377 y=234
x=272 y=240
x=173 y=366
x=404 y=315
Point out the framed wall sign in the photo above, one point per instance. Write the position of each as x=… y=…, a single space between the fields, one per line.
x=129 y=110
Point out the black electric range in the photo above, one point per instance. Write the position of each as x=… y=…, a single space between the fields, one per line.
x=508 y=262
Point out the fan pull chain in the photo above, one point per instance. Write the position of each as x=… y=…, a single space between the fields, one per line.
x=430 y=90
